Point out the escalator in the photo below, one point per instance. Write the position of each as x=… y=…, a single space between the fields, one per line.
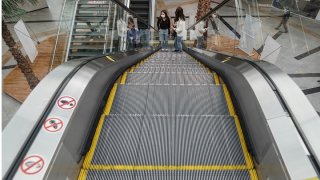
x=143 y=114
x=169 y=117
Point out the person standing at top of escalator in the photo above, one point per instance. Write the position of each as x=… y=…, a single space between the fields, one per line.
x=285 y=18
x=180 y=29
x=164 y=29
x=200 y=30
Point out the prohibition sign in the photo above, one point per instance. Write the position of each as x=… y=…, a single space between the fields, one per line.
x=32 y=164
x=53 y=124
x=66 y=102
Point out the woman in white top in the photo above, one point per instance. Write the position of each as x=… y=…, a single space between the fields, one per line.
x=200 y=30
x=179 y=29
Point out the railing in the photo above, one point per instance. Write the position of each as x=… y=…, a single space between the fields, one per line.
x=63 y=33
x=119 y=33
x=248 y=30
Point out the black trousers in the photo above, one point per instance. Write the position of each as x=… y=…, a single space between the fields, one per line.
x=284 y=21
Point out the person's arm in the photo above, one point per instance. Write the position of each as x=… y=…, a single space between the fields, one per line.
x=168 y=23
x=158 y=24
x=201 y=28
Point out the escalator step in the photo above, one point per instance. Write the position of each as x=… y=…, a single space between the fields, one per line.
x=172 y=175
x=170 y=99
x=171 y=69
x=169 y=78
x=169 y=140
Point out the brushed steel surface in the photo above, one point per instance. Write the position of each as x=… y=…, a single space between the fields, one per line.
x=26 y=117
x=303 y=114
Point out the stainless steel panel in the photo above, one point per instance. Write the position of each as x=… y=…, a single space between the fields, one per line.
x=303 y=113
x=47 y=142
x=26 y=117
x=292 y=152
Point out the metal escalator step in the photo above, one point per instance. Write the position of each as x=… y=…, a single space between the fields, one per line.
x=170 y=69
x=169 y=78
x=170 y=99
x=89 y=40
x=169 y=140
x=130 y=99
x=168 y=175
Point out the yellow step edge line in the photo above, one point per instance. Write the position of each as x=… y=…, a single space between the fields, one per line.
x=167 y=168
x=88 y=158
x=239 y=130
x=132 y=68
x=253 y=174
x=243 y=144
x=216 y=78
x=123 y=78
x=110 y=99
x=83 y=174
x=228 y=99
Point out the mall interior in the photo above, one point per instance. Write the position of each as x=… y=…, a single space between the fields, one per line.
x=161 y=89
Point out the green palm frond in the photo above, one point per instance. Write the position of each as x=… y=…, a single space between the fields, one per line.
x=11 y=8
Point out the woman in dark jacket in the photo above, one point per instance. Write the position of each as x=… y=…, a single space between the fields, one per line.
x=164 y=27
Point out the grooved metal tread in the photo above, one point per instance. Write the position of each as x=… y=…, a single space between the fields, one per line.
x=169 y=78
x=170 y=69
x=169 y=140
x=170 y=99
x=168 y=175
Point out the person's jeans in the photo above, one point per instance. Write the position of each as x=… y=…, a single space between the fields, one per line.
x=163 y=33
x=178 y=43
x=200 y=41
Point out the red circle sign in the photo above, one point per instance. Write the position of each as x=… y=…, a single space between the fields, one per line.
x=32 y=164
x=53 y=124
x=66 y=102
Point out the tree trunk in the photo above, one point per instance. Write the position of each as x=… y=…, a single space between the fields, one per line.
x=203 y=8
x=22 y=62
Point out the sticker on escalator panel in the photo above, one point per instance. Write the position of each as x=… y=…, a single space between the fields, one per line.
x=32 y=164
x=53 y=124
x=66 y=102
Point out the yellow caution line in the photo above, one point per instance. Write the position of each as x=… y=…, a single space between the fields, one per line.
x=216 y=78
x=110 y=59
x=88 y=158
x=239 y=130
x=228 y=99
x=132 y=68
x=167 y=168
x=123 y=78
x=110 y=99
x=83 y=174
x=243 y=144
x=253 y=174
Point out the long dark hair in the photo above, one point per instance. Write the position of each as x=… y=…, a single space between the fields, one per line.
x=165 y=13
x=179 y=14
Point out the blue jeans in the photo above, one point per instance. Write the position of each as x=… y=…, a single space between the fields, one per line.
x=163 y=33
x=178 y=43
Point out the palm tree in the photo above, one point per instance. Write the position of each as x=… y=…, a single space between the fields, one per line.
x=10 y=8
